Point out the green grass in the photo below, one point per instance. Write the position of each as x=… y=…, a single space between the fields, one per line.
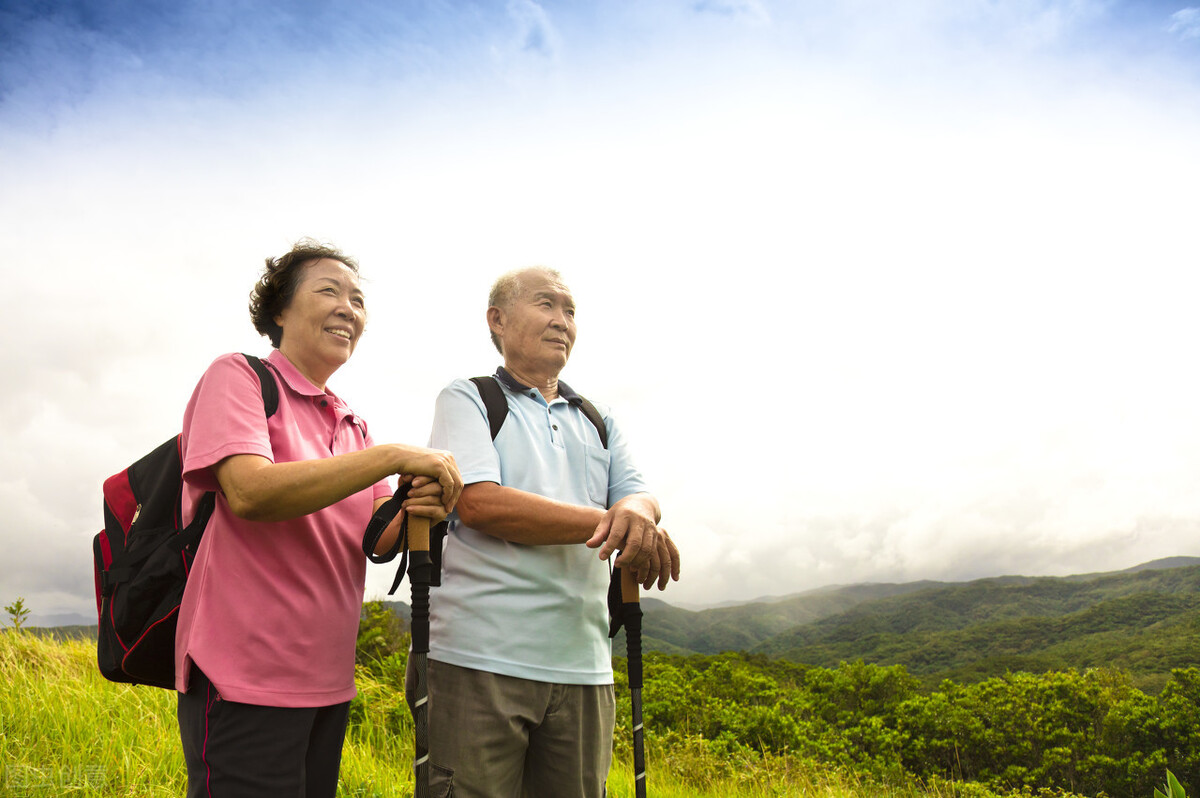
x=66 y=731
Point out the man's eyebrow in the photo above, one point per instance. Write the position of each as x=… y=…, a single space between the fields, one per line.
x=566 y=298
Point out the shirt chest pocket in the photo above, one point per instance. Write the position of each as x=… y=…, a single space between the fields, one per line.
x=596 y=461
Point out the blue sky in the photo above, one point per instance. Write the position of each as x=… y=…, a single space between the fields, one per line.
x=883 y=291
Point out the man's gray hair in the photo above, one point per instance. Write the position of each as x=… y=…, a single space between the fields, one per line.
x=507 y=288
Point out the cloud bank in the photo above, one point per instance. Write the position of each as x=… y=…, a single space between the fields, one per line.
x=882 y=292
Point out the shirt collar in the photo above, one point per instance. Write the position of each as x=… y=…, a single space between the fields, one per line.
x=513 y=384
x=292 y=376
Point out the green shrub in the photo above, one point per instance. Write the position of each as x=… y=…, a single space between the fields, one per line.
x=1173 y=789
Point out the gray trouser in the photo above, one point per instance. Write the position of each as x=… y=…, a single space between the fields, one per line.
x=493 y=736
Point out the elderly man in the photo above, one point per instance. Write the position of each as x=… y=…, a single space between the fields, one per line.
x=520 y=666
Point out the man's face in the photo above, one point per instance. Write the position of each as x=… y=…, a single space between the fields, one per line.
x=538 y=330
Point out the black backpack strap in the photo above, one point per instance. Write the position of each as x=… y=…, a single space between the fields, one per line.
x=494 y=401
x=189 y=538
x=496 y=404
x=593 y=415
x=266 y=381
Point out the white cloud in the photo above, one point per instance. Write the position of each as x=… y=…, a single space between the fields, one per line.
x=1185 y=23
x=749 y=10
x=535 y=34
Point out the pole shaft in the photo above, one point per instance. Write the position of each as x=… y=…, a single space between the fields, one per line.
x=419 y=577
x=633 y=649
x=639 y=748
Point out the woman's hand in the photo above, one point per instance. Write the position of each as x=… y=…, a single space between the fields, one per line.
x=429 y=467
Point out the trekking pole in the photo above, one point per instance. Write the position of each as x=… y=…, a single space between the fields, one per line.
x=626 y=610
x=633 y=653
x=420 y=576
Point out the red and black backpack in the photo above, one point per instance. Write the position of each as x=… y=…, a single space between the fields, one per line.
x=142 y=558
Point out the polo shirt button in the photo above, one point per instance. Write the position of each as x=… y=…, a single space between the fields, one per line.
x=324 y=403
x=554 y=426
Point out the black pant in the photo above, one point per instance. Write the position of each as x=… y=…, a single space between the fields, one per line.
x=237 y=750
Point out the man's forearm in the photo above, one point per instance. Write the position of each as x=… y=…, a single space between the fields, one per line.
x=522 y=517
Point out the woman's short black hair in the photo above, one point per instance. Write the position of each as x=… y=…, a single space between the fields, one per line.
x=275 y=288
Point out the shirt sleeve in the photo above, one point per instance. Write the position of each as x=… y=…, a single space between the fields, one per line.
x=225 y=417
x=460 y=426
x=624 y=478
x=381 y=489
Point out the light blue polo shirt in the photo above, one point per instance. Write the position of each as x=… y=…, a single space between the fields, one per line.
x=535 y=612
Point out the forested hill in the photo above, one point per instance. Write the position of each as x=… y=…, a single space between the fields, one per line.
x=1145 y=620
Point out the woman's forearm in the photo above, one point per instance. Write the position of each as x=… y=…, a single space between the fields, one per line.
x=259 y=490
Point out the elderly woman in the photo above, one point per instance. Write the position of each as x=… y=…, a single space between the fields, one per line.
x=264 y=651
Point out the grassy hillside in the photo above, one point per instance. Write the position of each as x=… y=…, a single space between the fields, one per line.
x=65 y=731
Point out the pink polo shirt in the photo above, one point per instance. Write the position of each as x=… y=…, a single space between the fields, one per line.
x=271 y=609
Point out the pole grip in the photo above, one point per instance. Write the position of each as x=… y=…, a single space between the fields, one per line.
x=629 y=586
x=418 y=533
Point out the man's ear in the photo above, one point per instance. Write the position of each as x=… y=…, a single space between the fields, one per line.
x=495 y=320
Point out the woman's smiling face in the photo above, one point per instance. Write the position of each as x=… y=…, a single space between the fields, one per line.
x=323 y=322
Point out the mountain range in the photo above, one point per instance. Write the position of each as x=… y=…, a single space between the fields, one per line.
x=1145 y=620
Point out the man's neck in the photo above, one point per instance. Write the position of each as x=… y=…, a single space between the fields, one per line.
x=545 y=384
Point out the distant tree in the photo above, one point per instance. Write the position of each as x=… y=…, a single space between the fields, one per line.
x=17 y=612
x=1179 y=716
x=381 y=633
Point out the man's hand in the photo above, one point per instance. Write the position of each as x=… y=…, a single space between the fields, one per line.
x=631 y=526
x=425 y=498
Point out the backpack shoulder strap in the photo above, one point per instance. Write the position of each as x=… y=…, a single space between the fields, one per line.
x=593 y=415
x=496 y=404
x=266 y=381
x=494 y=401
